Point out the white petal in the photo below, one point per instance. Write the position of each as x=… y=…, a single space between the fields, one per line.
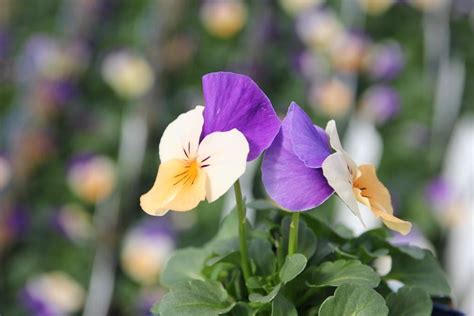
x=336 y=171
x=181 y=137
x=335 y=142
x=224 y=156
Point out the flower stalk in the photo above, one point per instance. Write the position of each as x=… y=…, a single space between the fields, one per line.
x=241 y=211
x=293 y=238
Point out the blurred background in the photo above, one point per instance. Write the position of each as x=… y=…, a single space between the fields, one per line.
x=88 y=86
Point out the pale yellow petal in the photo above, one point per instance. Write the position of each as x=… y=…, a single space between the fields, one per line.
x=394 y=223
x=180 y=139
x=224 y=157
x=336 y=171
x=179 y=186
x=370 y=191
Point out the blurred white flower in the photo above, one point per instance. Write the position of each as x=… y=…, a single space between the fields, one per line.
x=223 y=18
x=383 y=265
x=458 y=171
x=294 y=7
x=128 y=74
x=93 y=178
x=5 y=172
x=146 y=248
x=54 y=292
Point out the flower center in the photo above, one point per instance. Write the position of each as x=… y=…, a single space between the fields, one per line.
x=189 y=173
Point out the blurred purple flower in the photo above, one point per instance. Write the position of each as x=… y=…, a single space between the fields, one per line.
x=438 y=193
x=146 y=300
x=235 y=101
x=380 y=103
x=291 y=168
x=35 y=305
x=4 y=44
x=14 y=222
x=385 y=61
x=414 y=238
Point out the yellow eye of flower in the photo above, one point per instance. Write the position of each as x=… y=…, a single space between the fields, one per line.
x=190 y=172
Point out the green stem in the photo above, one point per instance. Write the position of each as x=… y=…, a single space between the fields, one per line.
x=244 y=252
x=293 y=239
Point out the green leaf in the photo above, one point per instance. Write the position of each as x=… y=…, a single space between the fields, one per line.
x=412 y=251
x=307 y=241
x=409 y=301
x=261 y=204
x=231 y=257
x=262 y=255
x=292 y=267
x=341 y=272
x=195 y=297
x=242 y=309
x=185 y=264
x=263 y=299
x=354 y=300
x=281 y=306
x=425 y=273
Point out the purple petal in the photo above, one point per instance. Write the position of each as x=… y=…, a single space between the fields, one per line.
x=310 y=142
x=287 y=179
x=235 y=101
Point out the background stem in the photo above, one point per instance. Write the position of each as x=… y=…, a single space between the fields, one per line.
x=293 y=239
x=244 y=253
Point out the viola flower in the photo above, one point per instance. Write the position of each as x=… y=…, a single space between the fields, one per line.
x=291 y=168
x=359 y=184
x=205 y=150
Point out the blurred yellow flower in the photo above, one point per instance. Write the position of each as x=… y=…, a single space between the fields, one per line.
x=145 y=250
x=333 y=98
x=56 y=290
x=348 y=51
x=128 y=74
x=318 y=28
x=429 y=5
x=223 y=18
x=74 y=222
x=376 y=7
x=94 y=179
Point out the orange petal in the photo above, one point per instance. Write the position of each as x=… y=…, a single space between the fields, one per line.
x=371 y=192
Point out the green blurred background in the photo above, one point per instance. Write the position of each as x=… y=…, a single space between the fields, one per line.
x=88 y=86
